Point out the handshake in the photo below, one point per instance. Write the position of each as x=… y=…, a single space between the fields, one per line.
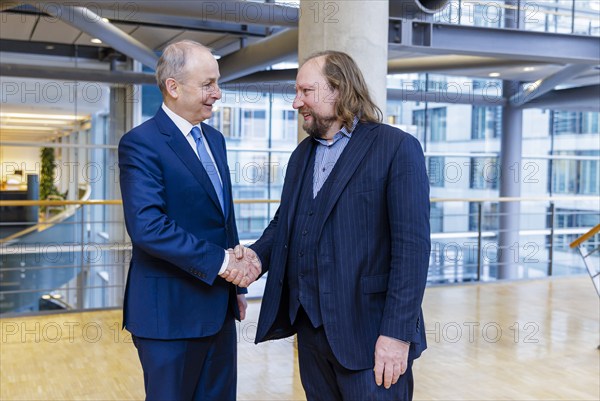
x=243 y=268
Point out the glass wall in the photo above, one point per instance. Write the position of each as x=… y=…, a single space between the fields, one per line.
x=561 y=157
x=557 y=16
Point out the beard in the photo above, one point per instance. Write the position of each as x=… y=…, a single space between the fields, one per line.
x=319 y=126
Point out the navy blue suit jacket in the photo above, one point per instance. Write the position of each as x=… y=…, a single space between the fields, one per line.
x=178 y=232
x=374 y=245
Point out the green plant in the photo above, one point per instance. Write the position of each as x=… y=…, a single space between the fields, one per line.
x=47 y=186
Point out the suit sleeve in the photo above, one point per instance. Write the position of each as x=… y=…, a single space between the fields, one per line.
x=264 y=245
x=408 y=208
x=148 y=225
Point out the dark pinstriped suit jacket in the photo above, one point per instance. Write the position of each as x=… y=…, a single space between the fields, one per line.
x=374 y=246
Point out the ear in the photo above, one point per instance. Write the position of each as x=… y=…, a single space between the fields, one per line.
x=172 y=87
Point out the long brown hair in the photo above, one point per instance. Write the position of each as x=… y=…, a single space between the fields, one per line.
x=354 y=99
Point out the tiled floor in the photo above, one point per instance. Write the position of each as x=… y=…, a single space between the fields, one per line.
x=516 y=340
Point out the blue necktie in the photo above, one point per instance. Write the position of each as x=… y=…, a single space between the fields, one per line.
x=209 y=166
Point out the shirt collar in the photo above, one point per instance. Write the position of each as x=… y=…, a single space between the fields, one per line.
x=339 y=134
x=184 y=125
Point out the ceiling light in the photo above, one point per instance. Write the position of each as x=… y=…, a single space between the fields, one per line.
x=105 y=20
x=23 y=121
x=95 y=40
x=49 y=47
x=494 y=74
x=8 y=120
x=25 y=128
x=43 y=116
x=217 y=56
x=527 y=69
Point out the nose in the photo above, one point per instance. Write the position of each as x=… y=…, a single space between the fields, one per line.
x=297 y=102
x=217 y=92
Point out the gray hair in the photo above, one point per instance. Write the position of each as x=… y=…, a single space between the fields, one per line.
x=171 y=63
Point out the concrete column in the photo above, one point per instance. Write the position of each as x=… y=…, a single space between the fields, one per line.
x=510 y=186
x=510 y=167
x=359 y=28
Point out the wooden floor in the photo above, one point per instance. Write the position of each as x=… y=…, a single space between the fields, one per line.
x=533 y=340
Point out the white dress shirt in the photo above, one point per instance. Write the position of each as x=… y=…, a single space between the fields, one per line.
x=186 y=127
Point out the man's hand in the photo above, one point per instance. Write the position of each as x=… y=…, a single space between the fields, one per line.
x=247 y=254
x=391 y=359
x=242 y=305
x=244 y=266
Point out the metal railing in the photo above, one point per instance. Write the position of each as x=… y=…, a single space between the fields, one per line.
x=81 y=262
x=587 y=254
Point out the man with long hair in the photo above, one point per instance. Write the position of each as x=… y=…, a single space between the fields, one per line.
x=348 y=250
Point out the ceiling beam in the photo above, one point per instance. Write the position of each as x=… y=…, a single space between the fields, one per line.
x=450 y=62
x=258 y=56
x=58 y=49
x=536 y=89
x=583 y=98
x=158 y=21
x=232 y=11
x=283 y=76
x=190 y=23
x=92 y=24
x=511 y=44
x=415 y=94
x=76 y=74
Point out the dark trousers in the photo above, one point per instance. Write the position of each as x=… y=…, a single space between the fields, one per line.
x=323 y=378
x=190 y=369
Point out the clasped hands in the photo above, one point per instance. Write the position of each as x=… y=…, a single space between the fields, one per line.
x=243 y=268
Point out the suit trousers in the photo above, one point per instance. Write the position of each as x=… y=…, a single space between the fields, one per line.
x=190 y=369
x=325 y=379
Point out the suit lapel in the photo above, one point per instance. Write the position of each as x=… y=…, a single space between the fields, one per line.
x=305 y=149
x=220 y=156
x=182 y=149
x=344 y=169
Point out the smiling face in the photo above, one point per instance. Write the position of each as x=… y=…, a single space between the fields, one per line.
x=315 y=100
x=192 y=96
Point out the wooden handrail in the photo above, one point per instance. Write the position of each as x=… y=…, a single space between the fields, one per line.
x=102 y=202
x=252 y=201
x=585 y=237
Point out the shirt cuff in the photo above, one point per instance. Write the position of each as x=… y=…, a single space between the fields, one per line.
x=225 y=263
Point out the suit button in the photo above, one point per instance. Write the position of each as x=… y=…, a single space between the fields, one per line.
x=285 y=246
x=301 y=253
x=310 y=212
x=280 y=282
x=304 y=232
x=301 y=275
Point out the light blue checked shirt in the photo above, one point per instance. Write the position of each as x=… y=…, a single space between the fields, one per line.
x=328 y=153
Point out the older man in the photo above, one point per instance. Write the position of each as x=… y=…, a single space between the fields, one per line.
x=181 y=297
